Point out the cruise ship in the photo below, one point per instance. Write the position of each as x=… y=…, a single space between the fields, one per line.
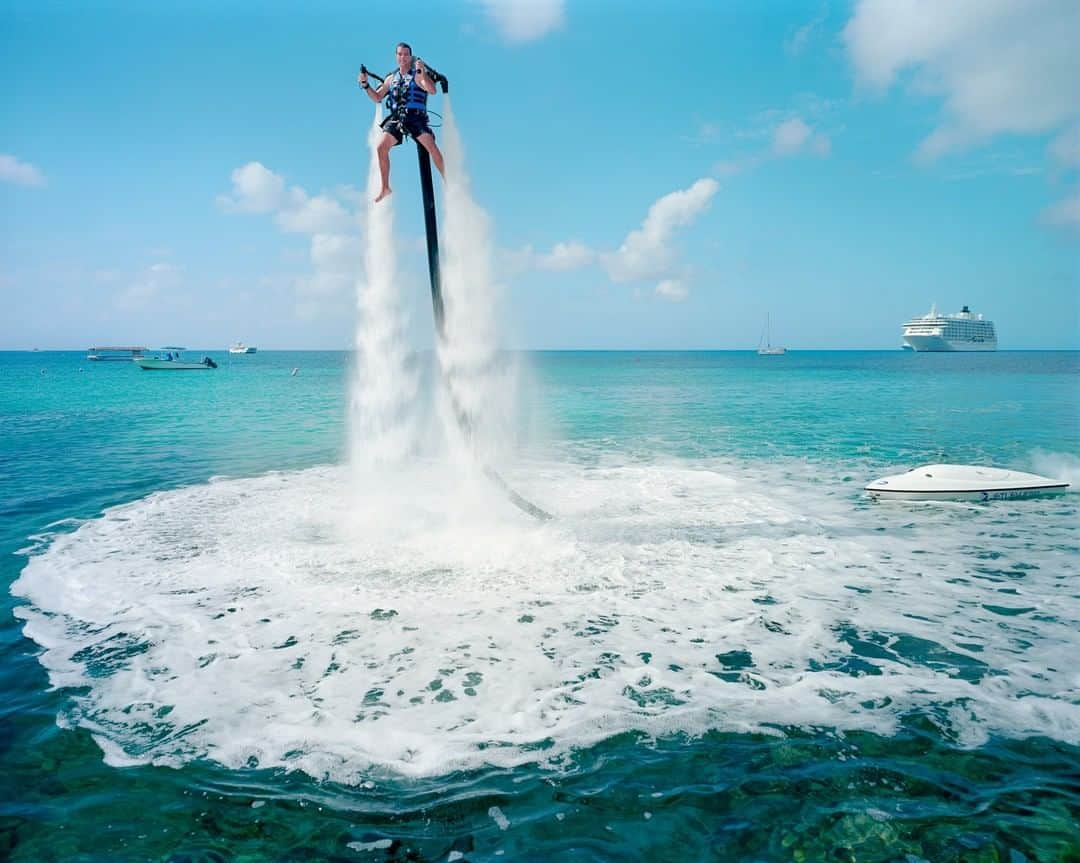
x=963 y=331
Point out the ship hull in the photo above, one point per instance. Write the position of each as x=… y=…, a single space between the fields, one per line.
x=938 y=343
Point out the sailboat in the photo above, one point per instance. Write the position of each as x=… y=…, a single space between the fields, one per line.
x=768 y=350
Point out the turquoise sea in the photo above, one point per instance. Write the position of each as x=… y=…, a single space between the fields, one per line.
x=221 y=642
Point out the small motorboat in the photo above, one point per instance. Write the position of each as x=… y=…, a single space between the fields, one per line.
x=241 y=348
x=963 y=482
x=172 y=359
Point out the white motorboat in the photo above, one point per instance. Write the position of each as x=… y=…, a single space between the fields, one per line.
x=241 y=348
x=172 y=359
x=962 y=482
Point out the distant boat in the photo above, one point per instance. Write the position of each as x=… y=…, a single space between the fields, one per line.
x=172 y=359
x=112 y=353
x=765 y=345
x=241 y=348
x=962 y=331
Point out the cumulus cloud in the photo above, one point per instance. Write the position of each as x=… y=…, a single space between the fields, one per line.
x=154 y=281
x=321 y=214
x=1001 y=66
x=787 y=138
x=525 y=20
x=647 y=252
x=790 y=136
x=1065 y=213
x=566 y=256
x=337 y=261
x=821 y=145
x=333 y=227
x=255 y=189
x=795 y=136
x=733 y=167
x=672 y=290
x=798 y=41
x=14 y=170
x=1065 y=148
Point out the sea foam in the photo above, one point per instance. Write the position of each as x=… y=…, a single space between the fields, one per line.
x=255 y=622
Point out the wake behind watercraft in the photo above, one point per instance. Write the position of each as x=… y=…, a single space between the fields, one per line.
x=431 y=228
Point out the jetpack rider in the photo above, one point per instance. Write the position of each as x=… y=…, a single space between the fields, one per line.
x=406 y=91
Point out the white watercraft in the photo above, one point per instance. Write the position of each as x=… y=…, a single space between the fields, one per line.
x=172 y=359
x=963 y=331
x=112 y=353
x=241 y=348
x=765 y=346
x=962 y=482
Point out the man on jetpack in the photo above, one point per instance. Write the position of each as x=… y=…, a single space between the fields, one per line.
x=407 y=88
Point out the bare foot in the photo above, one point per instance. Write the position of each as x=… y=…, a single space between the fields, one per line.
x=384 y=193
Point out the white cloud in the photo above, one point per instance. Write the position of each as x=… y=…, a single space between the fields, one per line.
x=300 y=214
x=155 y=281
x=572 y=255
x=705 y=132
x=525 y=20
x=794 y=136
x=646 y=252
x=330 y=220
x=14 y=170
x=672 y=289
x=1065 y=213
x=106 y=277
x=1002 y=66
x=821 y=145
x=256 y=189
x=801 y=37
x=789 y=137
x=1065 y=148
x=337 y=253
x=733 y=167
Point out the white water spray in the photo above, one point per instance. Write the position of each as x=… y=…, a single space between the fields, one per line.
x=480 y=380
x=383 y=421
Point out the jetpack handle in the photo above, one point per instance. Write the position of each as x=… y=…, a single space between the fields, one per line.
x=438 y=78
x=366 y=71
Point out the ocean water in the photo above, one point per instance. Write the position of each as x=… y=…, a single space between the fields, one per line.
x=222 y=642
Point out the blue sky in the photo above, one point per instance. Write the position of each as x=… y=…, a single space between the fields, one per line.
x=655 y=178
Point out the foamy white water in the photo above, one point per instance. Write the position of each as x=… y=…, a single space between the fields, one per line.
x=252 y=621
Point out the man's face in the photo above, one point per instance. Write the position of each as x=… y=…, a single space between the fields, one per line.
x=404 y=58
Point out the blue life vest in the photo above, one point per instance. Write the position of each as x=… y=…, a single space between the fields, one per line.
x=405 y=94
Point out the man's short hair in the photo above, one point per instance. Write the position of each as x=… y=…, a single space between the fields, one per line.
x=406 y=46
